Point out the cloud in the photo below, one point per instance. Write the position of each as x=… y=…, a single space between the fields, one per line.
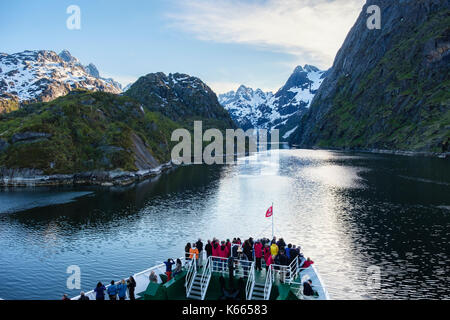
x=310 y=30
x=222 y=87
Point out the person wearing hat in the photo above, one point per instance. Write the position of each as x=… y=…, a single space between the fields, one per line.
x=83 y=296
x=307 y=288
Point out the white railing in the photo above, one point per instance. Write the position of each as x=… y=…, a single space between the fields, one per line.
x=141 y=278
x=219 y=264
x=190 y=276
x=206 y=277
x=293 y=270
x=241 y=269
x=282 y=271
x=287 y=273
x=268 y=284
x=250 y=283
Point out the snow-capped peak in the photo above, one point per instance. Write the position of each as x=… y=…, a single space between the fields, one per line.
x=257 y=109
x=44 y=75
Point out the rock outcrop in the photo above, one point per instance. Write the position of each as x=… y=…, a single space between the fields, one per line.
x=181 y=98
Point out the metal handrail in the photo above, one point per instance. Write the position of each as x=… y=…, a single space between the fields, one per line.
x=268 y=284
x=190 y=276
x=160 y=268
x=206 y=276
x=220 y=265
x=282 y=269
x=250 y=282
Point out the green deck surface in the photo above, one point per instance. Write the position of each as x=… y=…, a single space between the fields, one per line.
x=175 y=290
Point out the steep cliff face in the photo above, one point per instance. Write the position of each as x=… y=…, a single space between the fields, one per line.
x=388 y=88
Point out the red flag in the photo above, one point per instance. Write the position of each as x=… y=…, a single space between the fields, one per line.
x=269 y=212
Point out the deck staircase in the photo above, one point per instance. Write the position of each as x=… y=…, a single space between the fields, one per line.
x=196 y=289
x=197 y=282
x=258 y=292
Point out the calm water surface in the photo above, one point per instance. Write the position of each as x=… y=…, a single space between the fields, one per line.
x=349 y=212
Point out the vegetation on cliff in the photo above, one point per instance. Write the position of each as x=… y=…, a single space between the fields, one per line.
x=390 y=88
x=84 y=131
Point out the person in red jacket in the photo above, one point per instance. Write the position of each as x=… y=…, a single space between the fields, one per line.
x=215 y=248
x=215 y=254
x=307 y=263
x=223 y=254
x=258 y=254
x=269 y=261
x=267 y=256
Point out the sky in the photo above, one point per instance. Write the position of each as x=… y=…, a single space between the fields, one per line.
x=225 y=43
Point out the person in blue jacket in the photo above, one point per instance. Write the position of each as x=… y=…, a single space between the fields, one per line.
x=122 y=289
x=112 y=291
x=100 y=291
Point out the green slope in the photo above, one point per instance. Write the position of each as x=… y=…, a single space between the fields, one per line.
x=83 y=131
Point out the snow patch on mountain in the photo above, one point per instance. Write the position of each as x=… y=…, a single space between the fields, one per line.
x=264 y=110
x=44 y=75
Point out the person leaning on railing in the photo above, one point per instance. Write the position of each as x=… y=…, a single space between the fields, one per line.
x=199 y=246
x=152 y=277
x=169 y=263
x=307 y=263
x=187 y=248
x=283 y=261
x=208 y=249
x=112 y=291
x=178 y=268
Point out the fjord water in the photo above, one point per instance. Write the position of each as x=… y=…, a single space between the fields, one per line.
x=349 y=212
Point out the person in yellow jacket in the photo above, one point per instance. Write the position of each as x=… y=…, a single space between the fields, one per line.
x=193 y=252
x=274 y=250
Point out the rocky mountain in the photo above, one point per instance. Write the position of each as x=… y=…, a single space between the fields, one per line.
x=181 y=98
x=388 y=88
x=98 y=137
x=84 y=132
x=34 y=76
x=264 y=110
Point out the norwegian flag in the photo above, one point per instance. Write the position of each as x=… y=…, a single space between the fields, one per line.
x=269 y=212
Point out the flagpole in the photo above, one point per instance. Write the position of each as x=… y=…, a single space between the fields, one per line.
x=272 y=221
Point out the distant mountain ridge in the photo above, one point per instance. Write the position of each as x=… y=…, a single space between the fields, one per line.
x=265 y=110
x=41 y=76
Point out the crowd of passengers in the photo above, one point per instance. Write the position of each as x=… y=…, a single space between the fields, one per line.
x=225 y=255
x=228 y=254
x=273 y=251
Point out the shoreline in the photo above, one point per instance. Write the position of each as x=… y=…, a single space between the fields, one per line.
x=21 y=178
x=439 y=155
